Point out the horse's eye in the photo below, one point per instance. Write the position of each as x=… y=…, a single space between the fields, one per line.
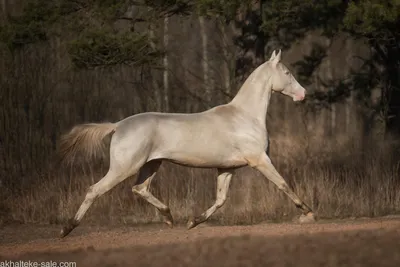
x=287 y=72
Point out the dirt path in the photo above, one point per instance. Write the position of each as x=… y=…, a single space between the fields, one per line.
x=377 y=239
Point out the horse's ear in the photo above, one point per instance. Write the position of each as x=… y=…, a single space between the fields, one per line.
x=277 y=58
x=273 y=55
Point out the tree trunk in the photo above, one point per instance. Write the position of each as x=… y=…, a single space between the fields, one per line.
x=350 y=100
x=155 y=86
x=329 y=80
x=251 y=54
x=165 y=65
x=4 y=9
x=226 y=60
x=205 y=60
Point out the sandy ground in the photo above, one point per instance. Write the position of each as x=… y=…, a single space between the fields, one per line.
x=361 y=242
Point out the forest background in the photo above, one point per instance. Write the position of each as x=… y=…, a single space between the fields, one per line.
x=65 y=62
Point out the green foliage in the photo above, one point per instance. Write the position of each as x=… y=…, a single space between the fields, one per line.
x=374 y=19
x=91 y=46
x=226 y=9
x=108 y=10
x=40 y=16
x=377 y=19
x=19 y=34
x=104 y=48
x=378 y=22
x=162 y=4
x=296 y=17
x=162 y=8
x=31 y=27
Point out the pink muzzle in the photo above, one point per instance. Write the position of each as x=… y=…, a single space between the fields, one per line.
x=300 y=96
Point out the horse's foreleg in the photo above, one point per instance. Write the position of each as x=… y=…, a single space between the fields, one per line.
x=264 y=165
x=142 y=188
x=223 y=181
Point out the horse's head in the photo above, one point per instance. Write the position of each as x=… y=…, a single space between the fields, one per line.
x=282 y=80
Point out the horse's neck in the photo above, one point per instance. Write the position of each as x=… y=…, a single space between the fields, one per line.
x=255 y=94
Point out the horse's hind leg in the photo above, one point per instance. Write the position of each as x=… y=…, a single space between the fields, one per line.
x=142 y=188
x=223 y=181
x=111 y=179
x=116 y=174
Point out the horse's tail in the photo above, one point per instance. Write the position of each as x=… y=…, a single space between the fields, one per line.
x=85 y=138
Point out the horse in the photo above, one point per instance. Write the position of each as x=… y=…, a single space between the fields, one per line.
x=225 y=137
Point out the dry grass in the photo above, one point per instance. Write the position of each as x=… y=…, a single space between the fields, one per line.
x=347 y=186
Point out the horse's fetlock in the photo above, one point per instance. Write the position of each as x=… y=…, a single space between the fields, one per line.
x=165 y=211
x=283 y=186
x=299 y=205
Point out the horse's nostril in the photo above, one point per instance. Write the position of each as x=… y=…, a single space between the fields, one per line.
x=299 y=97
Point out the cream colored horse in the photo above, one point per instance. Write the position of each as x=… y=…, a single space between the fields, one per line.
x=224 y=137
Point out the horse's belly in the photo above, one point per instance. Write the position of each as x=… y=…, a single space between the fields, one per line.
x=200 y=163
x=198 y=147
x=207 y=159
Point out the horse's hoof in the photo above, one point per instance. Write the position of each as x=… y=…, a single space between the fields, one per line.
x=169 y=223
x=168 y=218
x=68 y=228
x=308 y=218
x=191 y=223
x=65 y=231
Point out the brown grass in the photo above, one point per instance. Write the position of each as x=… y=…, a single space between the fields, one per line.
x=355 y=186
